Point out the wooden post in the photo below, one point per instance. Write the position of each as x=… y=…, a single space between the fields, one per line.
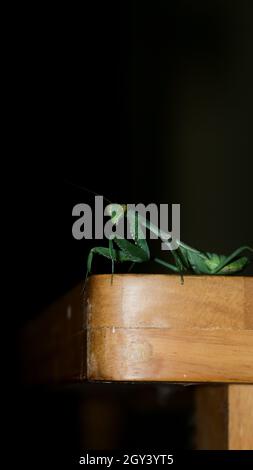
x=224 y=417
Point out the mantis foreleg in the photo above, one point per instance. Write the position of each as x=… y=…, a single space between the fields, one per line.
x=109 y=253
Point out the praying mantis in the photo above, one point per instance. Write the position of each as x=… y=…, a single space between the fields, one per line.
x=186 y=258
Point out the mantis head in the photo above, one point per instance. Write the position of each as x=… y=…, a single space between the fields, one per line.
x=116 y=212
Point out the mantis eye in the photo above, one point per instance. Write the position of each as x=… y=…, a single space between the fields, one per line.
x=109 y=210
x=115 y=210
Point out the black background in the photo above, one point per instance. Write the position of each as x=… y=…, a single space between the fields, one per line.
x=142 y=102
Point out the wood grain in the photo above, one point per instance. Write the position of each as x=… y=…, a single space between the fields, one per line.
x=144 y=328
x=224 y=417
x=152 y=328
x=240 y=422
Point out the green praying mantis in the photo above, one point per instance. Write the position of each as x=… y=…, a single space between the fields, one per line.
x=186 y=258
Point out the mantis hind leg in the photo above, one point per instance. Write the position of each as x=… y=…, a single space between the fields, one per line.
x=232 y=257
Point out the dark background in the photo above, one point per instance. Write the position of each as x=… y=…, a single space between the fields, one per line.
x=143 y=102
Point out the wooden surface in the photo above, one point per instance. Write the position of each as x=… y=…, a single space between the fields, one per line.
x=224 y=417
x=145 y=328
x=152 y=328
x=53 y=346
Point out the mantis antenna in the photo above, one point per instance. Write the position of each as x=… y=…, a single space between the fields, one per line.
x=87 y=190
